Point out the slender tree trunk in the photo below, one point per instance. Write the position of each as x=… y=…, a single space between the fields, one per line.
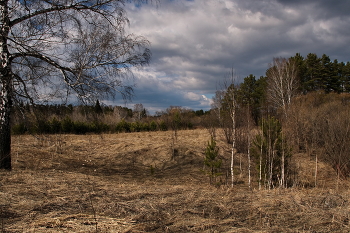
x=232 y=158
x=260 y=157
x=270 y=151
x=282 y=170
x=5 y=90
x=260 y=170
x=282 y=165
x=233 y=117
x=5 y=129
x=240 y=166
x=316 y=170
x=249 y=165
x=270 y=169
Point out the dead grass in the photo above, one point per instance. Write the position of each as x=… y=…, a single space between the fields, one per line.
x=132 y=183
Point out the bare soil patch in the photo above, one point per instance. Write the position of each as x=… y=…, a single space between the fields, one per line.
x=140 y=182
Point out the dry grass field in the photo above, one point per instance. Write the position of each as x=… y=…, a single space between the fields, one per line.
x=133 y=183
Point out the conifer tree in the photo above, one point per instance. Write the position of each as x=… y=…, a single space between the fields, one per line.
x=211 y=160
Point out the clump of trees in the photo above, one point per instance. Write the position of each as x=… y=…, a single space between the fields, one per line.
x=322 y=74
x=272 y=154
x=320 y=126
x=300 y=105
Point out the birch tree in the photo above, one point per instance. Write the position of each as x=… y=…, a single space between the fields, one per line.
x=233 y=118
x=282 y=82
x=229 y=106
x=139 y=111
x=56 y=48
x=217 y=106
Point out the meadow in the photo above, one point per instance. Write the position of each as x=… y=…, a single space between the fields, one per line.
x=153 y=182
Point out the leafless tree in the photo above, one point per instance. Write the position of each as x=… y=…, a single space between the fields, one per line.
x=228 y=110
x=249 y=145
x=139 y=111
x=282 y=81
x=217 y=105
x=335 y=132
x=54 y=48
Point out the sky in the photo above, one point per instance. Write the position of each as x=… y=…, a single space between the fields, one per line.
x=195 y=44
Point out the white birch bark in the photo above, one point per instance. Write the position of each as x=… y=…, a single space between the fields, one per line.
x=260 y=156
x=248 y=152
x=233 y=117
x=5 y=91
x=283 y=164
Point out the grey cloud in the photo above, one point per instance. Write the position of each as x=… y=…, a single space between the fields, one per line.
x=321 y=8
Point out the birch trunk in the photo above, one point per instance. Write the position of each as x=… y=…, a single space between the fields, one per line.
x=233 y=143
x=260 y=157
x=5 y=91
x=282 y=169
x=282 y=165
x=249 y=165
x=5 y=128
x=260 y=167
x=233 y=118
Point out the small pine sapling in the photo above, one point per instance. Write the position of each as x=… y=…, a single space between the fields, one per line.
x=211 y=161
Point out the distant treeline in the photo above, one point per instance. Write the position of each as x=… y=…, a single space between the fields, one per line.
x=82 y=119
x=68 y=126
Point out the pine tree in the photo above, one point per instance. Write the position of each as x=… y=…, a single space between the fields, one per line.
x=211 y=160
x=312 y=81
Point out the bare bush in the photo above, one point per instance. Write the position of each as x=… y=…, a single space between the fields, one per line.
x=320 y=125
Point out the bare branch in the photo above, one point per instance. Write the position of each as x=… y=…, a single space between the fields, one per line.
x=97 y=7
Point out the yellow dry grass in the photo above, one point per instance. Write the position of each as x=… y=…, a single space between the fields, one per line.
x=142 y=182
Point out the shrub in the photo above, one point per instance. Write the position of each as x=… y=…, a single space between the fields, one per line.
x=67 y=125
x=146 y=127
x=43 y=127
x=135 y=127
x=190 y=125
x=99 y=127
x=123 y=127
x=81 y=127
x=55 y=126
x=153 y=126
x=163 y=126
x=19 y=129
